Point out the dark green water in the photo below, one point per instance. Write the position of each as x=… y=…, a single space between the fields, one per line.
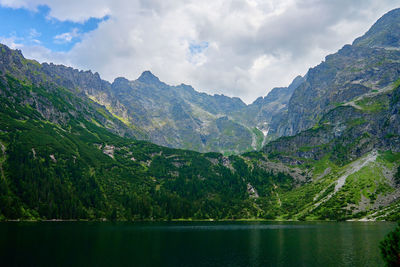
x=192 y=244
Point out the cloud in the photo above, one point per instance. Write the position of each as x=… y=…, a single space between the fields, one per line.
x=11 y=42
x=76 y=11
x=67 y=36
x=236 y=47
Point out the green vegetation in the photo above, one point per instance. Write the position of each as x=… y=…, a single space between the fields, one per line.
x=373 y=105
x=338 y=104
x=64 y=164
x=259 y=138
x=396 y=84
x=397 y=176
x=320 y=166
x=63 y=156
x=390 y=248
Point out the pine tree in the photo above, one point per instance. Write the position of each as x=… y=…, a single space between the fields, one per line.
x=390 y=248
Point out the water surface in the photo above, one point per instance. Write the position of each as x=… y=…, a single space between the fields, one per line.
x=192 y=243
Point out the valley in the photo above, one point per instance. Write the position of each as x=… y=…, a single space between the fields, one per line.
x=327 y=147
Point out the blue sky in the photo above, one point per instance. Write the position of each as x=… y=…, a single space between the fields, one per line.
x=38 y=28
x=196 y=48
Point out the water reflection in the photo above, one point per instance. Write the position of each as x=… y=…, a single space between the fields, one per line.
x=192 y=244
x=254 y=246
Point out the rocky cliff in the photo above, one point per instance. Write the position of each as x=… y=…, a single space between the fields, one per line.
x=370 y=64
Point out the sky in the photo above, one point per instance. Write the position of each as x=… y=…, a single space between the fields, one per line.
x=241 y=48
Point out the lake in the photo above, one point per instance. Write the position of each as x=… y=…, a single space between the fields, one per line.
x=192 y=243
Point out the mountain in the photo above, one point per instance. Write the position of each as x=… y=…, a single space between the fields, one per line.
x=174 y=116
x=179 y=116
x=266 y=112
x=344 y=128
x=70 y=143
x=384 y=33
x=61 y=158
x=79 y=83
x=354 y=150
x=371 y=64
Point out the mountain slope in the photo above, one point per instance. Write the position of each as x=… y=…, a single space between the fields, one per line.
x=178 y=116
x=384 y=33
x=355 y=70
x=345 y=126
x=75 y=167
x=174 y=116
x=353 y=157
x=265 y=112
x=60 y=160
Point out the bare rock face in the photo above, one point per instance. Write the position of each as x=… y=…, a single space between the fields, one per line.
x=348 y=131
x=266 y=111
x=341 y=78
x=252 y=191
x=371 y=64
x=178 y=116
x=348 y=105
x=109 y=150
x=53 y=158
x=384 y=33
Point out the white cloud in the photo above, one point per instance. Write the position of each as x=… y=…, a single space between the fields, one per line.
x=253 y=45
x=66 y=37
x=72 y=10
x=12 y=42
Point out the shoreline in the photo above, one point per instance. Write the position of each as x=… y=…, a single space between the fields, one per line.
x=186 y=220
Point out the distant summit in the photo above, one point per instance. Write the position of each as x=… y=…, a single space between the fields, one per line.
x=148 y=77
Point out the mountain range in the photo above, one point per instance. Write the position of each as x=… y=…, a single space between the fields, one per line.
x=74 y=146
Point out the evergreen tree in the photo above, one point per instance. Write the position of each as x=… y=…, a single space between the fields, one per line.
x=390 y=248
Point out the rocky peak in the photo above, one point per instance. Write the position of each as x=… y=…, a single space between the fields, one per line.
x=258 y=101
x=280 y=92
x=384 y=33
x=186 y=87
x=71 y=78
x=6 y=50
x=121 y=84
x=13 y=61
x=229 y=102
x=148 y=77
